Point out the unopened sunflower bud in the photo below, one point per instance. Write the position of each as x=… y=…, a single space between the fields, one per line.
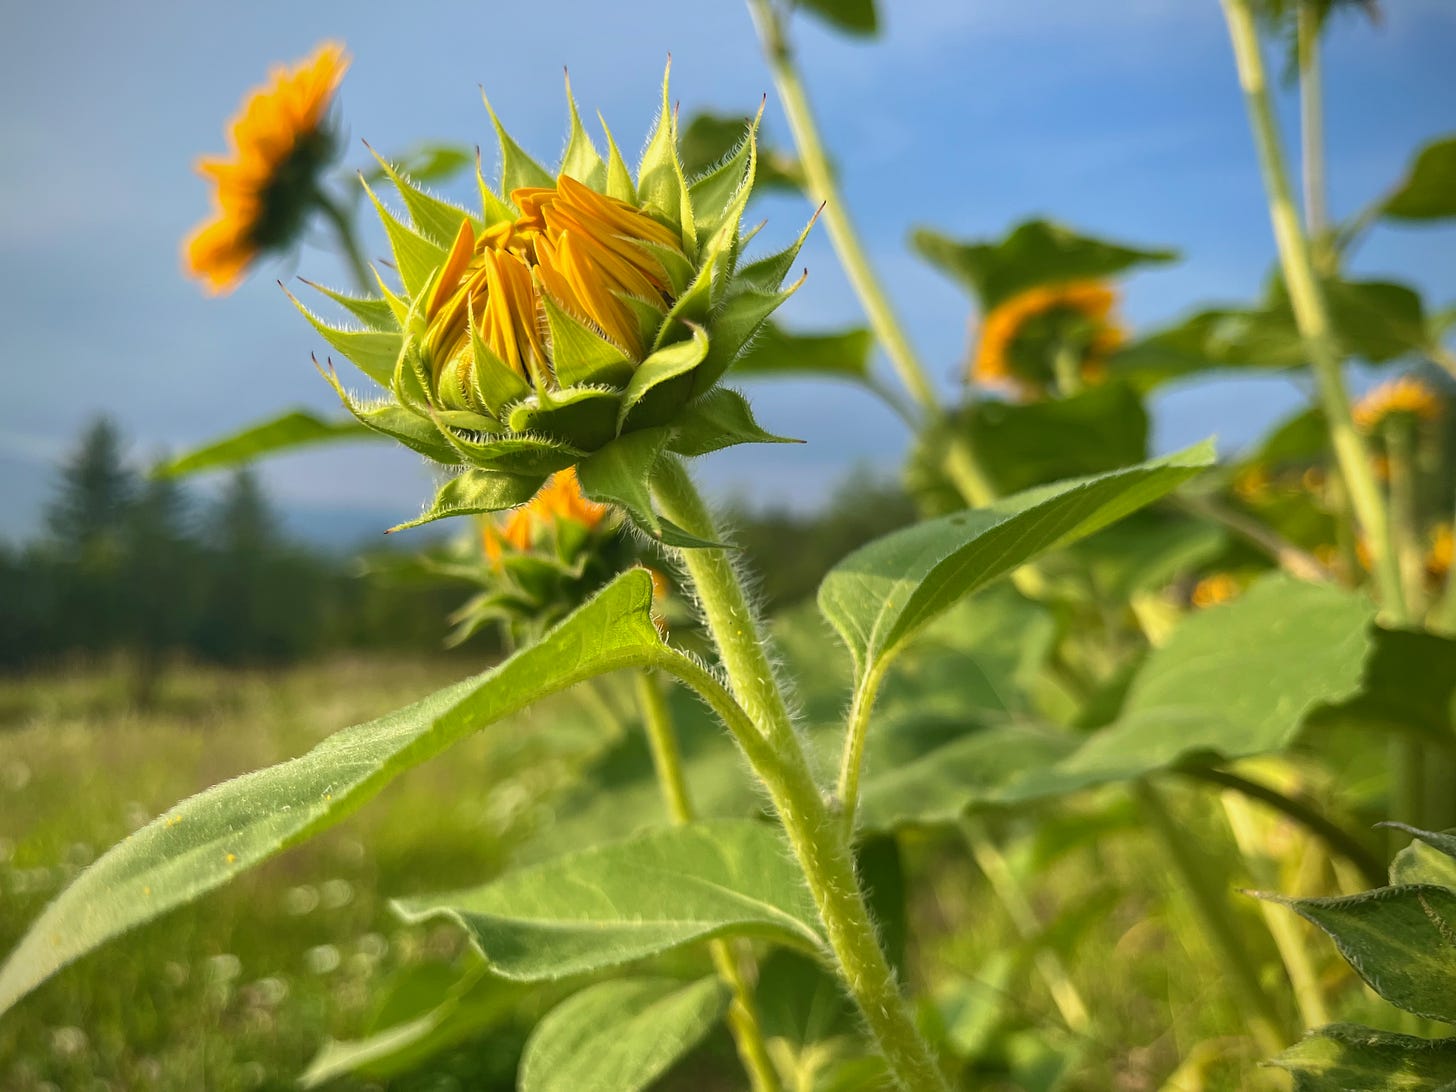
x=581 y=319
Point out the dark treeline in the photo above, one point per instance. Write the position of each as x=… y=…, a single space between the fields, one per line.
x=136 y=566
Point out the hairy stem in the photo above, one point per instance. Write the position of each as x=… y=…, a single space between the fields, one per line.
x=1310 y=312
x=851 y=761
x=733 y=966
x=814 y=831
x=1210 y=906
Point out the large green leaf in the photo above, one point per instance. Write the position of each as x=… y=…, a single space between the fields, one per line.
x=206 y=840
x=1400 y=940
x=1292 y=647
x=1033 y=253
x=609 y=905
x=619 y=1036
x=1428 y=191
x=1349 y=1058
x=884 y=593
x=1232 y=681
x=934 y=788
x=298 y=428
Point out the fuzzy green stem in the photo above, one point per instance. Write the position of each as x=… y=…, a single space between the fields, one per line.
x=343 y=226
x=822 y=188
x=814 y=831
x=1023 y=917
x=1283 y=926
x=851 y=761
x=742 y=1013
x=1310 y=313
x=1211 y=908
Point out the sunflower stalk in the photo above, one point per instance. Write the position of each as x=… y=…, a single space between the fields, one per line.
x=733 y=962
x=814 y=831
x=1311 y=131
x=1311 y=313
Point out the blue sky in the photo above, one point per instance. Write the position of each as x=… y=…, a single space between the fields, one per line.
x=1119 y=118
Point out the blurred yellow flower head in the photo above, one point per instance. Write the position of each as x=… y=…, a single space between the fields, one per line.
x=1404 y=395
x=1021 y=335
x=264 y=190
x=1214 y=589
x=559 y=500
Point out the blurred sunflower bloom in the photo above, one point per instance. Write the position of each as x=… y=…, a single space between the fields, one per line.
x=1405 y=396
x=1213 y=590
x=268 y=185
x=1023 y=336
x=559 y=500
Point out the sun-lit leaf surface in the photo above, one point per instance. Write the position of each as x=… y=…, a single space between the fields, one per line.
x=1291 y=646
x=298 y=428
x=1033 y=253
x=211 y=837
x=1398 y=939
x=1348 y=1058
x=882 y=594
x=619 y=1036
x=1428 y=191
x=612 y=904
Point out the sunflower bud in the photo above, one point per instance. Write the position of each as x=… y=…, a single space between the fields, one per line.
x=540 y=562
x=581 y=319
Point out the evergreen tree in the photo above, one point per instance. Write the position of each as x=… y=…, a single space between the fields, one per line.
x=86 y=523
x=96 y=489
x=161 y=578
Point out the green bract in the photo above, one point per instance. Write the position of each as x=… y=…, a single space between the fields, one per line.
x=506 y=360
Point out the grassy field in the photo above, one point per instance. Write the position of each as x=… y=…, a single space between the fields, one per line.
x=241 y=989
